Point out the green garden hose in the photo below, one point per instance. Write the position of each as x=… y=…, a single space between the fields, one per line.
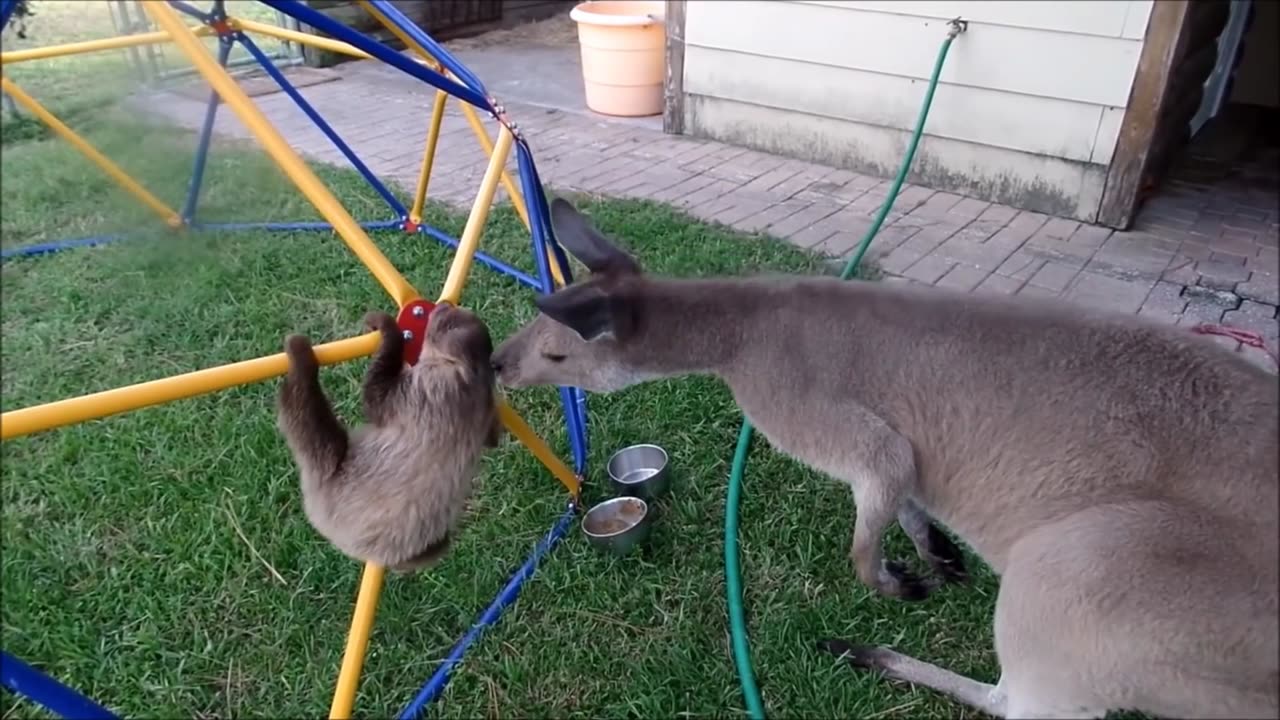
x=732 y=568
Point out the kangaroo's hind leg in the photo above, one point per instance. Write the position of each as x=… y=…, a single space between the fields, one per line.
x=304 y=414
x=880 y=467
x=1137 y=606
x=1121 y=607
x=383 y=375
x=932 y=545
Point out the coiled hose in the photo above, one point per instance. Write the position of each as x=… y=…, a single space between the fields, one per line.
x=732 y=568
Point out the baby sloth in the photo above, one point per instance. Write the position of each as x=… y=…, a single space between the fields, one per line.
x=392 y=491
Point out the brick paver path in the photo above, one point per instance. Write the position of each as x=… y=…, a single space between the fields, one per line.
x=1204 y=251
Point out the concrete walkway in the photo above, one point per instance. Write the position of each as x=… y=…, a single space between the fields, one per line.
x=1205 y=251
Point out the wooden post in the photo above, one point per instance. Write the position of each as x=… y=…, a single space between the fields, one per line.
x=673 y=109
x=1141 y=117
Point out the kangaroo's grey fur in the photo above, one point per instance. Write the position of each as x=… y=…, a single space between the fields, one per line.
x=392 y=491
x=1120 y=476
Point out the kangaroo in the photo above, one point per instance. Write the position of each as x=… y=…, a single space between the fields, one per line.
x=392 y=491
x=1119 y=476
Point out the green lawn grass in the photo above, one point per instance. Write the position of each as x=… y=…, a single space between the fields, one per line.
x=141 y=551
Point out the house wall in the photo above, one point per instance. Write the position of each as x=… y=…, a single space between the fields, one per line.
x=1026 y=113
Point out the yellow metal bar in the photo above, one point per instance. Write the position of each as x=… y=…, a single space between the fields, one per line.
x=88 y=46
x=513 y=191
x=39 y=418
x=525 y=434
x=517 y=200
x=428 y=156
x=344 y=694
x=482 y=135
x=469 y=242
x=102 y=161
x=301 y=38
x=289 y=161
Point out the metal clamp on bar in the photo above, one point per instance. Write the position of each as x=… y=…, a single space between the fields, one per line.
x=500 y=114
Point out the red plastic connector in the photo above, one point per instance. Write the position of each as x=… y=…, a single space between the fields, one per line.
x=410 y=226
x=413 y=320
x=221 y=27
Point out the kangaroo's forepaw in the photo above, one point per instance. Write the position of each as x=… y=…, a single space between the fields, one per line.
x=945 y=557
x=381 y=322
x=899 y=582
x=865 y=657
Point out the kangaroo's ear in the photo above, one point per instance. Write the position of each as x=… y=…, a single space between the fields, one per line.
x=584 y=242
x=590 y=311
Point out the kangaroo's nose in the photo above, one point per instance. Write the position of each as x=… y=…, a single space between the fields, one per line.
x=496 y=364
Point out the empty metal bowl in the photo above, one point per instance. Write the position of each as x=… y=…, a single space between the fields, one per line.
x=640 y=471
x=618 y=525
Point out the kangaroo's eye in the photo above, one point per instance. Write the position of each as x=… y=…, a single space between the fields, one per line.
x=553 y=358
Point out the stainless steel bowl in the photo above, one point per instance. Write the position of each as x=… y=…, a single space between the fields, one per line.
x=640 y=471
x=618 y=525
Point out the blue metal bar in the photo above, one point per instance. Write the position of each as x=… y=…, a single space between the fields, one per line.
x=544 y=211
x=6 y=11
x=574 y=405
x=289 y=226
x=186 y=9
x=437 y=51
x=539 y=222
x=26 y=681
x=543 y=239
x=574 y=427
x=206 y=135
x=325 y=128
x=538 y=208
x=583 y=417
x=431 y=690
x=58 y=246
x=485 y=258
x=325 y=24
